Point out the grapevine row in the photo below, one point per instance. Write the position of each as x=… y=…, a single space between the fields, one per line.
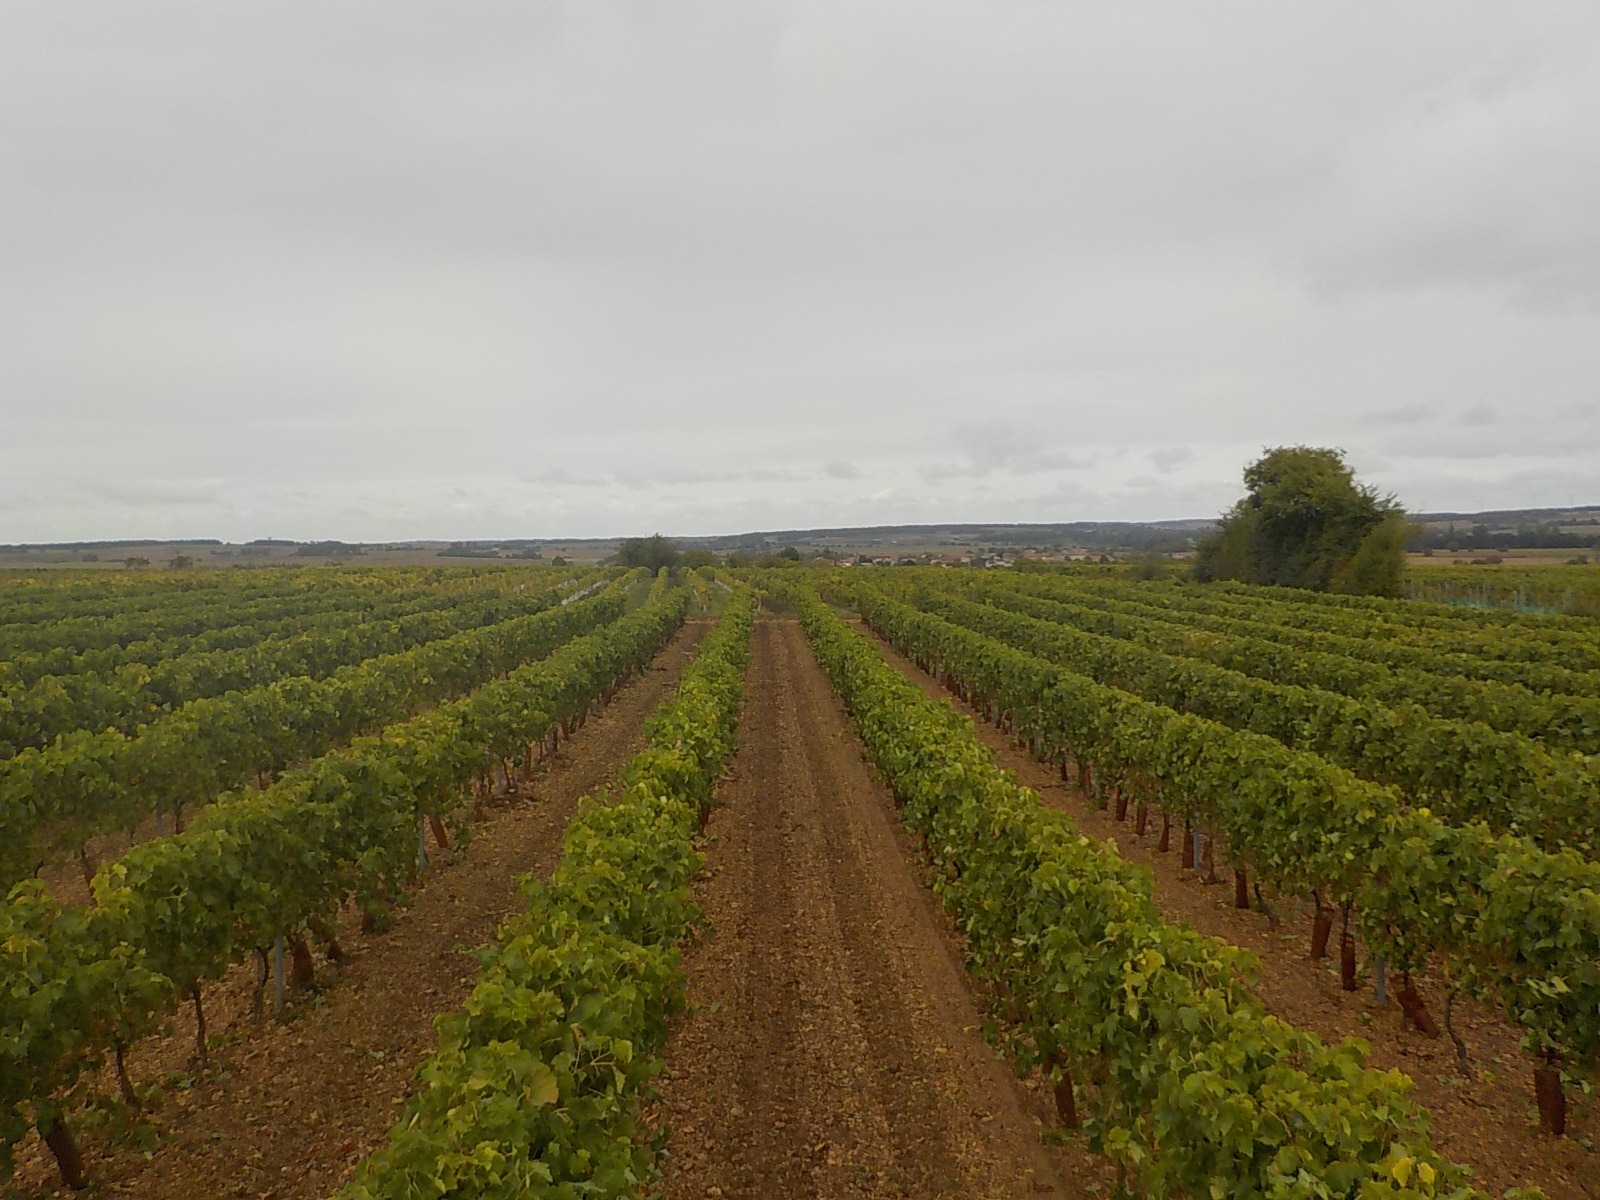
x=1462 y=769
x=1425 y=615
x=536 y=1086
x=1188 y=1084
x=1503 y=919
x=78 y=985
x=29 y=601
x=89 y=783
x=33 y=715
x=231 y=624
x=1563 y=723
x=105 y=635
x=1352 y=636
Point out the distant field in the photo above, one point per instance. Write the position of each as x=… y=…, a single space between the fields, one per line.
x=1526 y=581
x=115 y=556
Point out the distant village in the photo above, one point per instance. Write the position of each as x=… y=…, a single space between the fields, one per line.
x=996 y=560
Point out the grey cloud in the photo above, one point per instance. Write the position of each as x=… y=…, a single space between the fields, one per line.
x=1002 y=446
x=1477 y=184
x=658 y=475
x=158 y=493
x=559 y=477
x=1408 y=414
x=1168 y=458
x=595 y=268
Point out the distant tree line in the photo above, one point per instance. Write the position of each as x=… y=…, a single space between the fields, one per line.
x=466 y=550
x=656 y=552
x=1548 y=535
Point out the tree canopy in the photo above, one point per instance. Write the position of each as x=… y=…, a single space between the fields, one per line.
x=1306 y=522
x=654 y=552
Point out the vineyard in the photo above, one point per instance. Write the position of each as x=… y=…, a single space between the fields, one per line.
x=508 y=881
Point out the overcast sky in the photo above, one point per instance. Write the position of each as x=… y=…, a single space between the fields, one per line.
x=387 y=270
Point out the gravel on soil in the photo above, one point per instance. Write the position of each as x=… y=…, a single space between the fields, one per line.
x=834 y=1047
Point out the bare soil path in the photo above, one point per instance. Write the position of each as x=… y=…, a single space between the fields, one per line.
x=834 y=1049
x=288 y=1109
x=1484 y=1118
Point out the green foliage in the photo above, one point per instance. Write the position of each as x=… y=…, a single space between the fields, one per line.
x=1150 y=566
x=179 y=910
x=1510 y=921
x=45 y=693
x=1462 y=769
x=1306 y=522
x=56 y=798
x=1196 y=1090
x=1550 y=704
x=1374 y=569
x=536 y=1086
x=653 y=552
x=1539 y=591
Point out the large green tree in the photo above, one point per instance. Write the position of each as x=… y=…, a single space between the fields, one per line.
x=654 y=552
x=1306 y=522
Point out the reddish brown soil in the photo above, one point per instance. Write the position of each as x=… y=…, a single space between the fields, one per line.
x=288 y=1109
x=834 y=1049
x=1485 y=1118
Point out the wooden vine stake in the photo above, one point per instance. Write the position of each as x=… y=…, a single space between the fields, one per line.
x=1264 y=907
x=1166 y=832
x=1552 y=1099
x=1141 y=819
x=1066 y=1097
x=1412 y=1004
x=124 y=1084
x=302 y=967
x=69 y=1160
x=200 y=1029
x=278 y=995
x=1241 y=889
x=1347 y=954
x=1321 y=929
x=257 y=998
x=439 y=834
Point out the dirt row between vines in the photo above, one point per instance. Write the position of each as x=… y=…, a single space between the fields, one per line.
x=1485 y=1118
x=834 y=1049
x=288 y=1109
